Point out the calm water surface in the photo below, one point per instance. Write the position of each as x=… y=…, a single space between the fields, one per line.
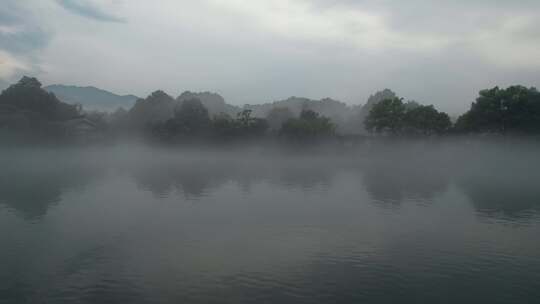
x=119 y=227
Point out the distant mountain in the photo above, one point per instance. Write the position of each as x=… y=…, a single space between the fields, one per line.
x=92 y=98
x=215 y=103
x=327 y=106
x=337 y=111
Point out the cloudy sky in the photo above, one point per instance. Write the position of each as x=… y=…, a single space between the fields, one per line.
x=253 y=51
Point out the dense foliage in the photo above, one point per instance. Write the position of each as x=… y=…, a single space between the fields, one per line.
x=192 y=122
x=278 y=116
x=156 y=108
x=393 y=116
x=426 y=120
x=206 y=117
x=512 y=110
x=243 y=126
x=309 y=126
x=29 y=98
x=386 y=116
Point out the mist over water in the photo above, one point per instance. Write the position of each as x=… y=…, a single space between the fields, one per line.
x=417 y=222
x=255 y=151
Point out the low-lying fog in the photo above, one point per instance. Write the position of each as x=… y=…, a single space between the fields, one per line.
x=503 y=174
x=136 y=223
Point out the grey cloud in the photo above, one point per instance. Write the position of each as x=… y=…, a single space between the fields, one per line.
x=444 y=16
x=22 y=35
x=28 y=34
x=25 y=41
x=195 y=48
x=88 y=10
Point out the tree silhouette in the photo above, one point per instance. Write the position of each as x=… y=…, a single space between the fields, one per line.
x=28 y=97
x=386 y=116
x=309 y=126
x=512 y=110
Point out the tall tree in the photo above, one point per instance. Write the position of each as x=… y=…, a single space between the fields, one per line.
x=386 y=116
x=426 y=120
x=512 y=110
x=358 y=120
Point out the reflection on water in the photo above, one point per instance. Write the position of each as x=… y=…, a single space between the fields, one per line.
x=394 y=183
x=196 y=177
x=104 y=226
x=511 y=194
x=31 y=186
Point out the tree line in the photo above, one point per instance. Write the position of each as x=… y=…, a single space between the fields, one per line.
x=511 y=111
x=192 y=122
x=514 y=110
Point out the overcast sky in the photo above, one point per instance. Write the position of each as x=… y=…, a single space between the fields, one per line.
x=254 y=51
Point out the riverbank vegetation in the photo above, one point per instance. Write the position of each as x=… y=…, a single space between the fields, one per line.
x=27 y=110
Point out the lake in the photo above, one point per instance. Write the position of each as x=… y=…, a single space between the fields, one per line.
x=403 y=224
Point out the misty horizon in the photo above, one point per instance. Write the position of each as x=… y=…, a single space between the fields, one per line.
x=257 y=51
x=269 y=151
x=262 y=100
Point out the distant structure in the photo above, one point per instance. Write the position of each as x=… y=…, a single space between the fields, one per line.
x=82 y=129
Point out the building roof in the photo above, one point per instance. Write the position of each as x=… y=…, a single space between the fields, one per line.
x=79 y=121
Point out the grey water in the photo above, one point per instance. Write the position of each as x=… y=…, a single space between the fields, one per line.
x=442 y=224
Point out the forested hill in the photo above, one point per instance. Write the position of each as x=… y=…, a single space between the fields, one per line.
x=91 y=98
